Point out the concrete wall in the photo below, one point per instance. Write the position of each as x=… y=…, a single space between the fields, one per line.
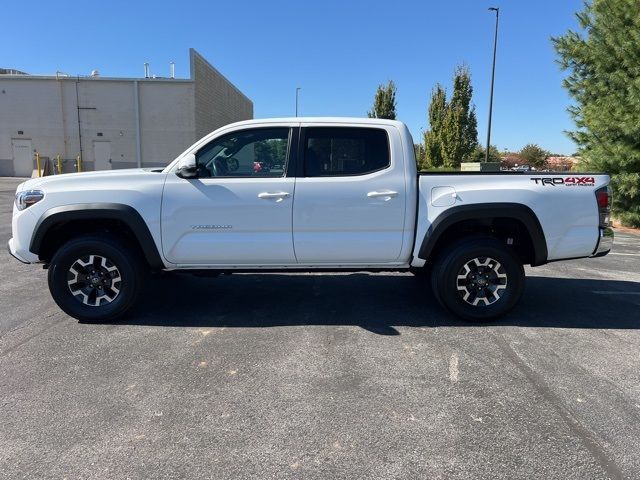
x=45 y=110
x=217 y=101
x=33 y=108
x=172 y=114
x=167 y=121
x=106 y=107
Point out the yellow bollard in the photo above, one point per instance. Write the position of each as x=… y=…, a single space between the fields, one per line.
x=38 y=164
x=78 y=163
x=59 y=164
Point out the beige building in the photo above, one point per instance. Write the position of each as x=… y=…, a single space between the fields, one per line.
x=111 y=122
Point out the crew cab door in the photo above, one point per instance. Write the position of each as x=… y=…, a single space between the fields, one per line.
x=350 y=196
x=238 y=211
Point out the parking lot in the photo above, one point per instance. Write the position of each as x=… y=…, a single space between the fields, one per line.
x=323 y=376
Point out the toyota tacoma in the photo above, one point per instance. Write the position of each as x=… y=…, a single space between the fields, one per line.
x=316 y=194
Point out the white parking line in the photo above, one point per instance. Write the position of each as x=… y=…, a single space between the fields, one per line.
x=626 y=254
x=453 y=368
x=614 y=292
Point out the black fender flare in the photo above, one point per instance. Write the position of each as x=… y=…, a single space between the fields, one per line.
x=487 y=211
x=98 y=211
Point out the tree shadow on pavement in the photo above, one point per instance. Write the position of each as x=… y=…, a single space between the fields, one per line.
x=377 y=303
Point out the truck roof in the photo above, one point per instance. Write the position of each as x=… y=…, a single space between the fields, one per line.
x=354 y=120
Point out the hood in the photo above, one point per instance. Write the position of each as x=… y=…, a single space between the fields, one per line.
x=84 y=178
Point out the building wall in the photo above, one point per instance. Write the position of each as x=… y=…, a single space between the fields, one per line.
x=167 y=121
x=45 y=110
x=172 y=114
x=106 y=107
x=34 y=108
x=217 y=101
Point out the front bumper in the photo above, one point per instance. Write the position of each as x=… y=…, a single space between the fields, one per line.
x=605 y=242
x=14 y=253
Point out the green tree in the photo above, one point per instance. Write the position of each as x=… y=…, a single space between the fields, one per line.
x=418 y=149
x=384 y=103
x=533 y=155
x=432 y=138
x=460 y=132
x=603 y=61
x=478 y=154
x=453 y=133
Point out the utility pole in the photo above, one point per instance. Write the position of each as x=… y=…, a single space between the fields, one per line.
x=297 y=91
x=493 y=77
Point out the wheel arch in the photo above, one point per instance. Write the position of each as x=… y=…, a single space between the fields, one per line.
x=86 y=217
x=485 y=218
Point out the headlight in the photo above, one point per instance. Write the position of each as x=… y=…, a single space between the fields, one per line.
x=27 y=198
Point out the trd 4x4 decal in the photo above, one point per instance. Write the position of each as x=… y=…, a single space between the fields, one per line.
x=568 y=181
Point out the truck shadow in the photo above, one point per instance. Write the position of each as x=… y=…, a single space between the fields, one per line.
x=377 y=303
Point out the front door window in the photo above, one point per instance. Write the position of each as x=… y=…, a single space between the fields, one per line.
x=259 y=152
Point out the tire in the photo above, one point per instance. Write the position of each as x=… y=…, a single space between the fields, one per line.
x=101 y=296
x=469 y=283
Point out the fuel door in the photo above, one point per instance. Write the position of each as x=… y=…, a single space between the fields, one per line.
x=443 y=196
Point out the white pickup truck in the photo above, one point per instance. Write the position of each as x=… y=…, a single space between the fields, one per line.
x=305 y=194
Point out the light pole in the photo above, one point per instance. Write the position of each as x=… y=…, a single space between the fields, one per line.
x=297 y=90
x=493 y=77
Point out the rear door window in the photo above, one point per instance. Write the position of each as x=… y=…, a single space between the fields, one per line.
x=345 y=151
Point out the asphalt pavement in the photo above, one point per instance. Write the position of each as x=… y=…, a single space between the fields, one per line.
x=323 y=376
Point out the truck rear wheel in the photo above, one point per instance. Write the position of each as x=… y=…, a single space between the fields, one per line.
x=478 y=278
x=95 y=278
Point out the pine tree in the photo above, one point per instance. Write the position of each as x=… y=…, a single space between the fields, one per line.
x=384 y=104
x=453 y=131
x=603 y=61
x=432 y=140
x=460 y=134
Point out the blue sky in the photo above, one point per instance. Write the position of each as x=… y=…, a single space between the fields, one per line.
x=337 y=51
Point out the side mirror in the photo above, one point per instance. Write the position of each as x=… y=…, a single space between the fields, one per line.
x=187 y=167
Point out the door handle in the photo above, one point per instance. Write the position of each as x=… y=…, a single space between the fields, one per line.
x=383 y=193
x=277 y=196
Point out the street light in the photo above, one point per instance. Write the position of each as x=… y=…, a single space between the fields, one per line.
x=493 y=77
x=297 y=90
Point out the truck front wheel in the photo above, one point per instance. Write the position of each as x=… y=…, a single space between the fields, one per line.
x=95 y=278
x=478 y=278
